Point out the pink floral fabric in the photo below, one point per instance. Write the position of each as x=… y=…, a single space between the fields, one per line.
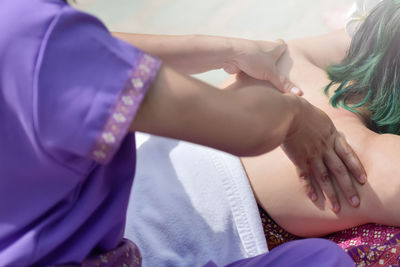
x=370 y=244
x=367 y=245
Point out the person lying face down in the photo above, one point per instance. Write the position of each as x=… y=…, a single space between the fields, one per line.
x=364 y=105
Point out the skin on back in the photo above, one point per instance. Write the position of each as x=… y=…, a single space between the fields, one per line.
x=273 y=177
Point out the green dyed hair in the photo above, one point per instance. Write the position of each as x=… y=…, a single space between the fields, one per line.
x=371 y=70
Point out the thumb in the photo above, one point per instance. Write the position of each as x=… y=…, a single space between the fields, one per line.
x=281 y=48
x=283 y=84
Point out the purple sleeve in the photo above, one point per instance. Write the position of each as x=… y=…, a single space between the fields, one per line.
x=89 y=87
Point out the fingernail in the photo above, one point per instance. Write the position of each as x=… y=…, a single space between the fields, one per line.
x=336 y=208
x=355 y=201
x=295 y=91
x=363 y=178
x=313 y=197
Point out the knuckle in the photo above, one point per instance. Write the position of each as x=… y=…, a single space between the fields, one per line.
x=308 y=187
x=324 y=142
x=348 y=153
x=340 y=142
x=304 y=176
x=344 y=147
x=306 y=183
x=349 y=191
x=339 y=170
x=302 y=171
x=324 y=177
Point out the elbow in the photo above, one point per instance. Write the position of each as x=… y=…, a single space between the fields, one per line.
x=263 y=118
x=267 y=140
x=264 y=131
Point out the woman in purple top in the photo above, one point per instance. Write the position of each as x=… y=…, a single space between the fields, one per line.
x=69 y=93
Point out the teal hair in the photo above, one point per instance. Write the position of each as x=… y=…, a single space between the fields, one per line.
x=369 y=75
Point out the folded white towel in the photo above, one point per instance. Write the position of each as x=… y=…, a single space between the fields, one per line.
x=191 y=204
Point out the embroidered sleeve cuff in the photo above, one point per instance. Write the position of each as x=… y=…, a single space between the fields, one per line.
x=124 y=109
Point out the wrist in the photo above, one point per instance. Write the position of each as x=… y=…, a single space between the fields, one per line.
x=211 y=52
x=296 y=104
x=238 y=48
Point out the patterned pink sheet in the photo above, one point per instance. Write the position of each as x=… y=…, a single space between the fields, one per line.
x=368 y=245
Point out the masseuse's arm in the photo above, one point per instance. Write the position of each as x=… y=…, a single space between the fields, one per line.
x=245 y=122
x=192 y=54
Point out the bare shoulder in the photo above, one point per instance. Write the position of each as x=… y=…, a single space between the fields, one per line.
x=382 y=162
x=384 y=154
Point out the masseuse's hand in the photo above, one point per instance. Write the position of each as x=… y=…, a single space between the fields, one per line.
x=258 y=59
x=321 y=153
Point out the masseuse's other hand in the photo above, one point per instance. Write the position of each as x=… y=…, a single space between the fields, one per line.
x=321 y=153
x=258 y=59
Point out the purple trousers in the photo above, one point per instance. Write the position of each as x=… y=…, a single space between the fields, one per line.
x=312 y=252
x=308 y=252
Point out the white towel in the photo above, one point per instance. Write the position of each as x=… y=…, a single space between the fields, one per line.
x=191 y=204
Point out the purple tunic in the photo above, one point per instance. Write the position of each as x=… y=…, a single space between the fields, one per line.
x=68 y=94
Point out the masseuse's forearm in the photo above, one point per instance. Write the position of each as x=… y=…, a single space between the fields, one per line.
x=244 y=122
x=188 y=54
